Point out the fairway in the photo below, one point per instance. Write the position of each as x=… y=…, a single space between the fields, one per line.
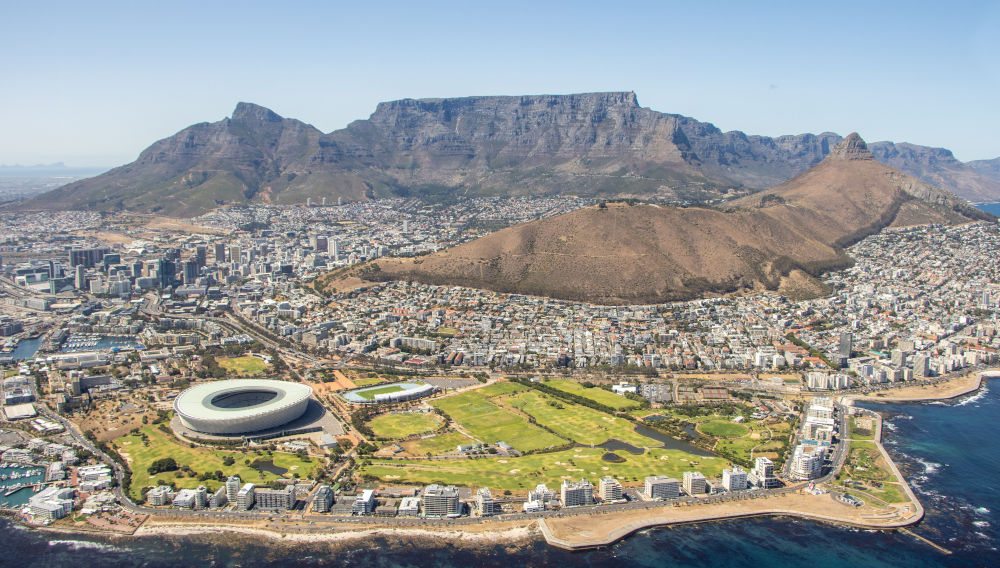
x=401 y=425
x=595 y=394
x=246 y=365
x=721 y=429
x=370 y=394
x=522 y=473
x=492 y=423
x=578 y=423
x=435 y=445
x=199 y=459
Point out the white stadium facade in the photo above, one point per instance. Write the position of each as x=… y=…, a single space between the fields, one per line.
x=241 y=406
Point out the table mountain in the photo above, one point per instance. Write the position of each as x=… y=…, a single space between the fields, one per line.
x=780 y=239
x=592 y=144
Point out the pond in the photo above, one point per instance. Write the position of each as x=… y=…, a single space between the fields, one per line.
x=672 y=443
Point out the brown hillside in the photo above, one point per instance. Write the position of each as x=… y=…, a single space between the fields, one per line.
x=648 y=253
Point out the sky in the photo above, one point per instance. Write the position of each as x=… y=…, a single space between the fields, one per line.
x=94 y=83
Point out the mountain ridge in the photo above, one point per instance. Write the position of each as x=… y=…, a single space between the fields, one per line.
x=601 y=144
x=781 y=239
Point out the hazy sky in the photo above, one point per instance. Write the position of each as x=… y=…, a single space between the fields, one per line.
x=93 y=83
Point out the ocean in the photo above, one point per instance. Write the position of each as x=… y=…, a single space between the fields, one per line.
x=993 y=208
x=949 y=451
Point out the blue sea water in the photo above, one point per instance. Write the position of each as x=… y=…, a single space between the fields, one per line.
x=993 y=208
x=948 y=450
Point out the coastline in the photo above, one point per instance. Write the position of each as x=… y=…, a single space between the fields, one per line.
x=598 y=528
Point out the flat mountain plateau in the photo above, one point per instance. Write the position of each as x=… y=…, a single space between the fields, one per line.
x=594 y=144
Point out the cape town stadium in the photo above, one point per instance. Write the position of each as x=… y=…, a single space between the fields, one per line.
x=241 y=406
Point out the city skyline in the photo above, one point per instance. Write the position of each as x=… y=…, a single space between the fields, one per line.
x=94 y=86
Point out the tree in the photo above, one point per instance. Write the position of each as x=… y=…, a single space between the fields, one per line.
x=161 y=465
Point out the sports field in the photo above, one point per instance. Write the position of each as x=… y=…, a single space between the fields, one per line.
x=245 y=366
x=436 y=445
x=403 y=424
x=199 y=459
x=723 y=429
x=491 y=423
x=370 y=394
x=595 y=394
x=518 y=474
x=577 y=423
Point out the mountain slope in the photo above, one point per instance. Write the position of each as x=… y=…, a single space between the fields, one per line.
x=586 y=144
x=649 y=253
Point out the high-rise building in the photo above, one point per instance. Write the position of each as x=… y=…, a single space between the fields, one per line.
x=190 y=272
x=87 y=257
x=246 y=497
x=275 y=499
x=322 y=499
x=233 y=483
x=921 y=366
x=762 y=474
x=846 y=345
x=80 y=280
x=334 y=249
x=695 y=483
x=576 y=493
x=734 y=479
x=807 y=462
x=201 y=255
x=610 y=489
x=364 y=503
x=218 y=499
x=220 y=253
x=485 y=503
x=662 y=487
x=441 y=501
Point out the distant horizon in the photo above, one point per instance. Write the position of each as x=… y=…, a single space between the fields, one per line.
x=93 y=85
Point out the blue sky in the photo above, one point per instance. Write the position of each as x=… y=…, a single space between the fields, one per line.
x=93 y=83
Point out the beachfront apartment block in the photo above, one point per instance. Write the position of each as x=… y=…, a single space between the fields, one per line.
x=442 y=501
x=275 y=499
x=485 y=504
x=662 y=487
x=695 y=483
x=762 y=474
x=246 y=497
x=734 y=479
x=576 y=493
x=807 y=462
x=159 y=496
x=322 y=499
x=364 y=503
x=233 y=484
x=610 y=489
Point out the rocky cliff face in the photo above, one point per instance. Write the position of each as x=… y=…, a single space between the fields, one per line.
x=586 y=144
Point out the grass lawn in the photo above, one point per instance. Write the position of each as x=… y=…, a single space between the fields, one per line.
x=370 y=394
x=367 y=382
x=861 y=433
x=491 y=423
x=403 y=424
x=246 y=365
x=200 y=459
x=447 y=330
x=523 y=473
x=595 y=394
x=721 y=429
x=436 y=445
x=575 y=422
